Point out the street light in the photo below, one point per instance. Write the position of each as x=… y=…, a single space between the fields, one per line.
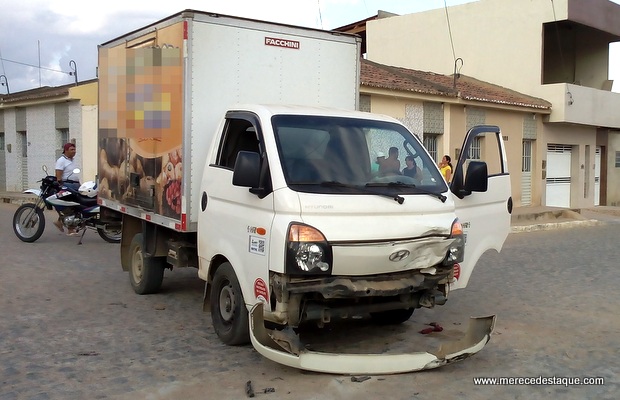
x=5 y=83
x=73 y=66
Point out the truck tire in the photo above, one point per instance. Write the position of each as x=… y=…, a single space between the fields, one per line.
x=228 y=311
x=145 y=273
x=392 y=317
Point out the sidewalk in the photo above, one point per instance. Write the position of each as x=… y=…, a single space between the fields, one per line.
x=524 y=219
x=527 y=219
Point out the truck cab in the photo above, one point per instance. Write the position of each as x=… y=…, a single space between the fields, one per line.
x=295 y=216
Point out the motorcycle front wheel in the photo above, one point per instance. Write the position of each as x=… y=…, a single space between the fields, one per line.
x=110 y=235
x=28 y=222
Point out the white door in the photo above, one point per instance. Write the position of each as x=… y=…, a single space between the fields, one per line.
x=234 y=222
x=485 y=215
x=558 y=175
x=526 y=173
x=597 y=176
x=2 y=163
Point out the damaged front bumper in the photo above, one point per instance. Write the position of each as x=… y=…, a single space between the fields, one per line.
x=285 y=348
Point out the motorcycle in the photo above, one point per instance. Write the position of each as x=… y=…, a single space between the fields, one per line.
x=78 y=210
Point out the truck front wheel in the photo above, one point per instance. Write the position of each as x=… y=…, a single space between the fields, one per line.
x=146 y=273
x=228 y=310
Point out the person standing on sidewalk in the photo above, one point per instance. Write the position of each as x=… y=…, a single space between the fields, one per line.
x=445 y=165
x=65 y=176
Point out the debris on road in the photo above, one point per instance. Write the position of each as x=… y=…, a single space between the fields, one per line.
x=248 y=389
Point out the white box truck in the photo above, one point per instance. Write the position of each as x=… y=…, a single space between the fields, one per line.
x=234 y=146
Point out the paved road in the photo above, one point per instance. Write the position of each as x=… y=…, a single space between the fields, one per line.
x=72 y=328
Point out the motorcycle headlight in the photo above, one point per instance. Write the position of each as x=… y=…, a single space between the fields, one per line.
x=456 y=251
x=307 y=251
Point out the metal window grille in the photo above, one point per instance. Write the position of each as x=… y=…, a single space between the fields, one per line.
x=475 y=149
x=430 y=142
x=62 y=137
x=617 y=159
x=526 y=161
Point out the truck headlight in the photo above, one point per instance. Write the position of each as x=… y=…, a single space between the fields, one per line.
x=307 y=251
x=456 y=251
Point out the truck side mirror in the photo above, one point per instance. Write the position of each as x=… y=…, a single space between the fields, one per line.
x=476 y=180
x=247 y=169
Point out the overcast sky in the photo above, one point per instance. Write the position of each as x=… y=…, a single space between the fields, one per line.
x=51 y=33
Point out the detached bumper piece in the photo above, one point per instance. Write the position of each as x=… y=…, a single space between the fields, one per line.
x=285 y=348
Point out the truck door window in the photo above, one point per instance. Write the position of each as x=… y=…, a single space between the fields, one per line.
x=239 y=135
x=485 y=148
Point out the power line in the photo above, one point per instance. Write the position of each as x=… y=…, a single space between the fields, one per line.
x=318 y=3
x=445 y=4
x=2 y=62
x=33 y=66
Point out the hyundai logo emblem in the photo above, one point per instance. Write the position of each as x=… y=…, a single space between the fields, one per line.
x=399 y=255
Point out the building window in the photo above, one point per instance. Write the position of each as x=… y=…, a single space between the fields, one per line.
x=526 y=161
x=364 y=103
x=433 y=118
x=22 y=136
x=475 y=149
x=617 y=159
x=430 y=142
x=63 y=136
x=1 y=140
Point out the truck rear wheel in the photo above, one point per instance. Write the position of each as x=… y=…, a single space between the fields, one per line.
x=392 y=317
x=228 y=311
x=145 y=273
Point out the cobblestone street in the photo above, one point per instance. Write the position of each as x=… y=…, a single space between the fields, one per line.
x=72 y=327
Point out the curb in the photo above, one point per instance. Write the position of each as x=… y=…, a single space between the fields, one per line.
x=19 y=201
x=554 y=225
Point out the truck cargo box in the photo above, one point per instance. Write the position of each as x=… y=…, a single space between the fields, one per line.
x=164 y=88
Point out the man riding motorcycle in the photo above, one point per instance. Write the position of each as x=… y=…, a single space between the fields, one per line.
x=66 y=175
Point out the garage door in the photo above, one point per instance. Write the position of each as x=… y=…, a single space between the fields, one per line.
x=558 y=175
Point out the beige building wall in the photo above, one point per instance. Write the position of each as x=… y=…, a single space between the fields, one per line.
x=89 y=143
x=87 y=96
x=87 y=93
x=509 y=59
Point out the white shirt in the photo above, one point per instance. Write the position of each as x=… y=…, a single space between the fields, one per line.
x=67 y=166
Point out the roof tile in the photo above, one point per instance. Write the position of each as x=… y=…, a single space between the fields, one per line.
x=467 y=88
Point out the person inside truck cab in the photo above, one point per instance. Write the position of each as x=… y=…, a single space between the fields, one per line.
x=375 y=165
x=411 y=170
x=391 y=164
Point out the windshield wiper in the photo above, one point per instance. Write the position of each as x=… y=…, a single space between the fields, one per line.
x=408 y=185
x=363 y=189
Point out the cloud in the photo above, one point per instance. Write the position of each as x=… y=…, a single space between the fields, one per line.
x=51 y=33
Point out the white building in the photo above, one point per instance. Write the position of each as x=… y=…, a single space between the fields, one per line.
x=35 y=124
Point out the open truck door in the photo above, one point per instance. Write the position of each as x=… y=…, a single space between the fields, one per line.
x=481 y=185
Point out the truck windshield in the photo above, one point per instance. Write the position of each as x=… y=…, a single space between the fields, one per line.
x=348 y=155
